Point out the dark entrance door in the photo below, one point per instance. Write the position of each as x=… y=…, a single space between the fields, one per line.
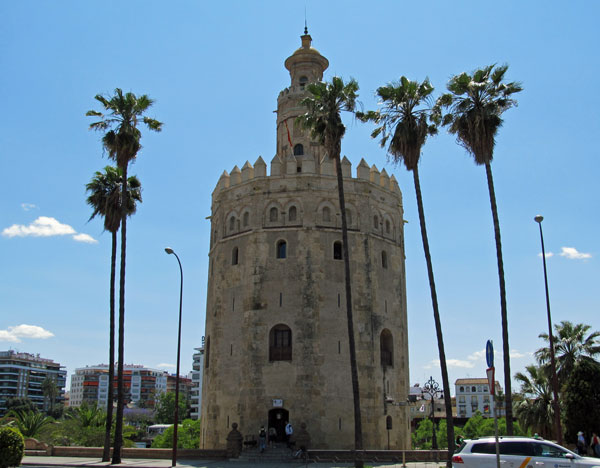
x=278 y=417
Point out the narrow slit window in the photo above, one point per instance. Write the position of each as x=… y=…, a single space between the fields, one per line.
x=337 y=250
x=384 y=260
x=282 y=249
x=234 y=256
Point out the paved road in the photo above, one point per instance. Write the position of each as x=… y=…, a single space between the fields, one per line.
x=70 y=462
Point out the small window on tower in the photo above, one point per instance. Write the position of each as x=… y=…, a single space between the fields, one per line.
x=326 y=214
x=302 y=81
x=337 y=250
x=273 y=214
x=281 y=249
x=292 y=213
x=298 y=150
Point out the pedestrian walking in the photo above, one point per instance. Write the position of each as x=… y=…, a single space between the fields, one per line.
x=595 y=445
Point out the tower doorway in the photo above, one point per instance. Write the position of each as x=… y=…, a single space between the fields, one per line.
x=278 y=417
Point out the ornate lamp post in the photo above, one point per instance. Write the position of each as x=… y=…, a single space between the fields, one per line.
x=170 y=251
x=432 y=388
x=538 y=219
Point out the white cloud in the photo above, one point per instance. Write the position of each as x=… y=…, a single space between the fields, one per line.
x=14 y=334
x=28 y=206
x=548 y=254
x=164 y=364
x=85 y=238
x=450 y=363
x=43 y=226
x=514 y=354
x=572 y=253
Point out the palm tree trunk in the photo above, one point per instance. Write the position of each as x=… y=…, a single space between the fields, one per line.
x=436 y=319
x=503 y=311
x=358 y=445
x=120 y=390
x=111 y=351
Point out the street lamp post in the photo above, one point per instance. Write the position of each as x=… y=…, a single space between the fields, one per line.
x=538 y=219
x=432 y=388
x=174 y=459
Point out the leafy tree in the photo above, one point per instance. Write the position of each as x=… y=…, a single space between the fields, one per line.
x=581 y=398
x=571 y=345
x=476 y=103
x=12 y=447
x=325 y=103
x=105 y=199
x=535 y=411
x=20 y=404
x=30 y=423
x=188 y=436
x=404 y=126
x=165 y=408
x=122 y=142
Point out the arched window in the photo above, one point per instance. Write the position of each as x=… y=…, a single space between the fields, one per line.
x=386 y=346
x=246 y=219
x=292 y=213
x=384 y=262
x=473 y=389
x=298 y=150
x=280 y=343
x=234 y=256
x=388 y=226
x=337 y=251
x=375 y=222
x=281 y=249
x=273 y=214
x=326 y=214
x=462 y=389
x=302 y=81
x=231 y=224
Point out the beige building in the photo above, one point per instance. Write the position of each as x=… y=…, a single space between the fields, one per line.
x=276 y=344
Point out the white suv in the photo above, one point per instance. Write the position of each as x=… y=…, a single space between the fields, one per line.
x=518 y=452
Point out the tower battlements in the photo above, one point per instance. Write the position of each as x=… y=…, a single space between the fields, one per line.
x=299 y=167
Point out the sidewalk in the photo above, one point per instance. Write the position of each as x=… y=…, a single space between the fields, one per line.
x=40 y=461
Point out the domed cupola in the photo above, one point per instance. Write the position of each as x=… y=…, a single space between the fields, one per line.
x=306 y=64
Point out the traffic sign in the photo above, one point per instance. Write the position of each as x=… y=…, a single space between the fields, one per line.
x=489 y=353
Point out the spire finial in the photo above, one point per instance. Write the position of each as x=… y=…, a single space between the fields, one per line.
x=305 y=27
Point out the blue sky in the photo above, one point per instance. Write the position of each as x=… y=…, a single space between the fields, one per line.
x=215 y=70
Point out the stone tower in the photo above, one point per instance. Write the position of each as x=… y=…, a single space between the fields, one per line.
x=276 y=344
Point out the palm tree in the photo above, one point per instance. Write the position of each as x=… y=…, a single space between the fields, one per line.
x=50 y=392
x=122 y=142
x=403 y=123
x=324 y=103
x=476 y=103
x=105 y=199
x=535 y=411
x=30 y=423
x=570 y=346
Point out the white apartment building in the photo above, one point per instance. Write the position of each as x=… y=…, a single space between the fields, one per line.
x=141 y=384
x=196 y=376
x=473 y=395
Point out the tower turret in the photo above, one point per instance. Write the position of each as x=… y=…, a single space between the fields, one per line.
x=306 y=65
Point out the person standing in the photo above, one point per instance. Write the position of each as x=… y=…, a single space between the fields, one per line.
x=272 y=435
x=595 y=445
x=262 y=439
x=289 y=430
x=581 y=448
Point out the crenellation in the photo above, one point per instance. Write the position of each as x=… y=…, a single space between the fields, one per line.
x=363 y=171
x=247 y=172
x=346 y=168
x=384 y=179
x=275 y=166
x=260 y=168
x=235 y=176
x=374 y=175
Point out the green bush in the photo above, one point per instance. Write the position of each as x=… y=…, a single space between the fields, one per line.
x=12 y=446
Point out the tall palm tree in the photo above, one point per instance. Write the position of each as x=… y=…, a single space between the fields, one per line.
x=105 y=199
x=535 y=411
x=571 y=345
x=325 y=103
x=122 y=142
x=50 y=392
x=404 y=124
x=476 y=103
